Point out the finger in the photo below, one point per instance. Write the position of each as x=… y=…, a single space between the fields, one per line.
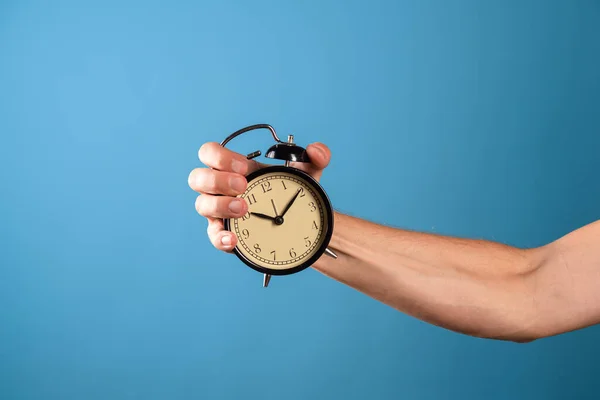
x=219 y=237
x=204 y=180
x=215 y=156
x=220 y=206
x=320 y=157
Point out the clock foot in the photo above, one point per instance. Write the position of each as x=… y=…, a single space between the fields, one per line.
x=330 y=253
x=266 y=280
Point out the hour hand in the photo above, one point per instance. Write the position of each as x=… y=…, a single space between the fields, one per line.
x=259 y=215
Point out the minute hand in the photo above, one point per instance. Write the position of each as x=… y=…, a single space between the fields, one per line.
x=291 y=202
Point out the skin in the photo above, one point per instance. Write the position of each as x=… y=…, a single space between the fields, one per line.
x=474 y=287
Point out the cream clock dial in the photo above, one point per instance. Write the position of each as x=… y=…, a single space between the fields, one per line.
x=289 y=222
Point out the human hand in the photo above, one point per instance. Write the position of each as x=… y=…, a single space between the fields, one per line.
x=224 y=179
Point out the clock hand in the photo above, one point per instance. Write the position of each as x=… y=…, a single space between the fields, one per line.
x=274 y=208
x=259 y=215
x=291 y=202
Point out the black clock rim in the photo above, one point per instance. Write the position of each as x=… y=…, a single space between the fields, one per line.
x=327 y=235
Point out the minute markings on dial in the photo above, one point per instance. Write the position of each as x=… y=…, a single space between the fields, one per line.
x=256 y=250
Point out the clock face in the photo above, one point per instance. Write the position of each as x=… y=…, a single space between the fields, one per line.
x=288 y=224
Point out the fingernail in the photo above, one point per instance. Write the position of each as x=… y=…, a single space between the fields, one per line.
x=235 y=206
x=226 y=240
x=238 y=166
x=238 y=184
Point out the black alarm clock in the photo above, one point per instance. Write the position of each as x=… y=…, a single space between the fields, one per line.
x=289 y=222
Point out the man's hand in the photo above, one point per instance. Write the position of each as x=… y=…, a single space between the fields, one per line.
x=225 y=178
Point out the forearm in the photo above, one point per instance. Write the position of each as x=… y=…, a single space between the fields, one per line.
x=475 y=287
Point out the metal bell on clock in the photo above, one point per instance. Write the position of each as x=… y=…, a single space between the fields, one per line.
x=288 y=152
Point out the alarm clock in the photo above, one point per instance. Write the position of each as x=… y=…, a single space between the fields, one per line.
x=289 y=222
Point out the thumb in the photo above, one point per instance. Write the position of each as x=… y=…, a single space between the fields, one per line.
x=320 y=156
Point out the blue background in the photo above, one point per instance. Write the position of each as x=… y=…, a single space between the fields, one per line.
x=463 y=118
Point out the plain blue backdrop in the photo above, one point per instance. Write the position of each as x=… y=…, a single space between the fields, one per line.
x=470 y=118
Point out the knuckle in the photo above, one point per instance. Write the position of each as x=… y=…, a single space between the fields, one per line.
x=222 y=205
x=253 y=165
x=213 y=227
x=219 y=160
x=207 y=180
x=213 y=182
x=215 y=207
x=212 y=231
x=203 y=205
x=212 y=206
x=212 y=238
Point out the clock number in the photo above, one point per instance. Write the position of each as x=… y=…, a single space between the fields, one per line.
x=292 y=253
x=245 y=233
x=302 y=194
x=273 y=252
x=307 y=242
x=246 y=216
x=251 y=199
x=312 y=206
x=314 y=225
x=257 y=248
x=284 y=187
x=266 y=187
